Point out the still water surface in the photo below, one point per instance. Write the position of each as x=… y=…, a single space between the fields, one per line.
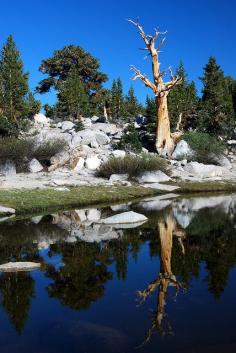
x=168 y=285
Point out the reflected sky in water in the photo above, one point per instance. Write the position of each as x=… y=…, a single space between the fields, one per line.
x=165 y=286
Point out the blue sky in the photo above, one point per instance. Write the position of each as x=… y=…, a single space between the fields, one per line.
x=196 y=30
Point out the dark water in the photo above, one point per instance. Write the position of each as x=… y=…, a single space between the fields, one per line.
x=168 y=285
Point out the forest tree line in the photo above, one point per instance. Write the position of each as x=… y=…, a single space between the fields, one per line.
x=79 y=84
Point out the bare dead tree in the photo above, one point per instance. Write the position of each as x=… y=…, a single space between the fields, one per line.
x=165 y=140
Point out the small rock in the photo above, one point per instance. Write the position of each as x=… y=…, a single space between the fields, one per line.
x=119 y=153
x=62 y=189
x=153 y=177
x=7 y=210
x=118 y=177
x=35 y=166
x=94 y=118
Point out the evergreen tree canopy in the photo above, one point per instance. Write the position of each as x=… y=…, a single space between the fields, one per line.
x=182 y=99
x=13 y=81
x=72 y=97
x=63 y=62
x=131 y=104
x=117 y=99
x=217 y=114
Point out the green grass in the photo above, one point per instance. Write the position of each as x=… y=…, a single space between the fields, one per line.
x=39 y=201
x=205 y=186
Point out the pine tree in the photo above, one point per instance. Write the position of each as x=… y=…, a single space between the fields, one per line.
x=217 y=115
x=182 y=99
x=14 y=82
x=117 y=99
x=73 y=100
x=150 y=112
x=131 y=104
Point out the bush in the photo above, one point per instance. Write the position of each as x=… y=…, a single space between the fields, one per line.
x=43 y=153
x=21 y=151
x=130 y=140
x=132 y=165
x=205 y=146
x=15 y=150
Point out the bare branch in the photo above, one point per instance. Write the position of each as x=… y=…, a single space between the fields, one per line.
x=142 y=77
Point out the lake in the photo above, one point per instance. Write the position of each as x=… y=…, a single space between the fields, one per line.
x=167 y=285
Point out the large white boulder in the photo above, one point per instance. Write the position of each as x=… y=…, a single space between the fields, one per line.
x=153 y=177
x=182 y=150
x=48 y=134
x=123 y=218
x=107 y=128
x=8 y=168
x=222 y=161
x=91 y=137
x=67 y=125
x=41 y=119
x=35 y=166
x=92 y=163
x=204 y=170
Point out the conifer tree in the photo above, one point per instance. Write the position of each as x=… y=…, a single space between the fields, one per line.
x=73 y=100
x=131 y=104
x=182 y=99
x=217 y=115
x=14 y=81
x=117 y=99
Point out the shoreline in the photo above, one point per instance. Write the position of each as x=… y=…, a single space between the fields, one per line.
x=36 y=201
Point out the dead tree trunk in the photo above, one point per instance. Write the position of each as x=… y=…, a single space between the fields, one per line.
x=165 y=140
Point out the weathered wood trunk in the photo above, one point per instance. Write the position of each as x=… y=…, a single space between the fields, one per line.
x=166 y=229
x=164 y=141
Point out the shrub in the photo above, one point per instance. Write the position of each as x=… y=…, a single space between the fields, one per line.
x=132 y=165
x=21 y=151
x=48 y=149
x=205 y=146
x=15 y=150
x=130 y=140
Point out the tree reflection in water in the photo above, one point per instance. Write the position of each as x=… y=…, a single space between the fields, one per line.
x=86 y=269
x=167 y=229
x=16 y=292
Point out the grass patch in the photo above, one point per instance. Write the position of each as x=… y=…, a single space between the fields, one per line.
x=39 y=201
x=132 y=165
x=205 y=186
